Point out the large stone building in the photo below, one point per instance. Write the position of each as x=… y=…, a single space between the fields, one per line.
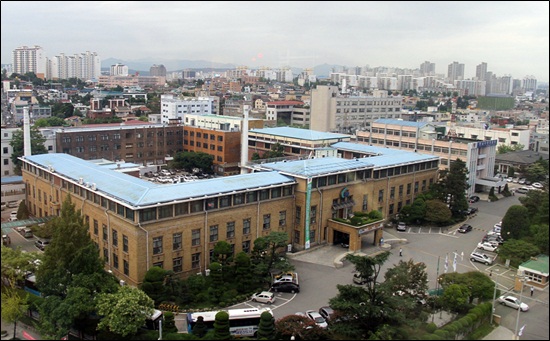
x=137 y=224
x=426 y=138
x=332 y=111
x=142 y=143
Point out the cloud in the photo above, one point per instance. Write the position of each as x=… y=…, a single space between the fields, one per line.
x=512 y=37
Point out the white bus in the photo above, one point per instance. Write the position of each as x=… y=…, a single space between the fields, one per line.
x=242 y=322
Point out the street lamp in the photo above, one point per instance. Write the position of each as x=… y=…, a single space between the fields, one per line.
x=522 y=280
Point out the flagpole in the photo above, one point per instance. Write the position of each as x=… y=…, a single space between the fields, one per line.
x=436 y=285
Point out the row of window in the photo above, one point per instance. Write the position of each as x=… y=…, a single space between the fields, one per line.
x=203 y=135
x=114 y=136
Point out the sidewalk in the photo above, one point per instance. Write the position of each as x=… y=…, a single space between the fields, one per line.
x=500 y=333
x=23 y=332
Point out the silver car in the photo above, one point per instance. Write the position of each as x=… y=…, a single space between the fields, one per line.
x=513 y=302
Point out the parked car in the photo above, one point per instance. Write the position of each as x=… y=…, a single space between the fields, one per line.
x=481 y=258
x=487 y=246
x=26 y=232
x=41 y=243
x=327 y=312
x=471 y=210
x=516 y=179
x=521 y=181
x=465 y=228
x=493 y=239
x=522 y=190
x=401 y=226
x=510 y=179
x=474 y=198
x=264 y=297
x=13 y=204
x=13 y=216
x=537 y=185
x=513 y=302
x=317 y=318
x=285 y=287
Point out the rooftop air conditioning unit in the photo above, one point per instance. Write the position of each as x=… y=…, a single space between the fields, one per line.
x=81 y=181
x=94 y=186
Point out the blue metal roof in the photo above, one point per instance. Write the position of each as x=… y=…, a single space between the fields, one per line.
x=382 y=157
x=138 y=192
x=304 y=134
x=401 y=122
x=367 y=149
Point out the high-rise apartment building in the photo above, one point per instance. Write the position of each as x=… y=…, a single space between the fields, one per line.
x=427 y=68
x=119 y=70
x=29 y=59
x=529 y=83
x=455 y=71
x=83 y=66
x=157 y=70
x=481 y=71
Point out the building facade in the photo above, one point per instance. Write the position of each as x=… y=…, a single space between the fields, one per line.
x=145 y=144
x=422 y=137
x=29 y=59
x=331 y=111
x=136 y=224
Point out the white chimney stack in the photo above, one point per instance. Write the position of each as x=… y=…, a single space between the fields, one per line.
x=26 y=133
x=244 y=140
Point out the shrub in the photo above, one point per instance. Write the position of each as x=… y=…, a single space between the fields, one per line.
x=431 y=327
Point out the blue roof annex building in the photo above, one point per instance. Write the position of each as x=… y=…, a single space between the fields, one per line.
x=137 y=224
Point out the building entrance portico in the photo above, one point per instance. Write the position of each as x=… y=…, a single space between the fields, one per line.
x=339 y=231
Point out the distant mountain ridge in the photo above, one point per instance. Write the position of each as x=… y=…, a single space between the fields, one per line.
x=143 y=65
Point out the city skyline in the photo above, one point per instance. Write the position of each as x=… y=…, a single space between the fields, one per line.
x=511 y=37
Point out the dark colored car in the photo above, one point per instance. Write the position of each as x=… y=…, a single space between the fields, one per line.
x=471 y=210
x=474 y=198
x=285 y=287
x=493 y=238
x=465 y=228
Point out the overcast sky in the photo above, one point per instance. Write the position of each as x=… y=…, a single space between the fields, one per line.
x=510 y=36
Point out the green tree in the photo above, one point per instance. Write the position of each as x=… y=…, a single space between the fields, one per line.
x=71 y=275
x=536 y=203
x=169 y=323
x=536 y=172
x=452 y=186
x=456 y=298
x=539 y=237
x=13 y=306
x=437 y=212
x=503 y=149
x=223 y=252
x=17 y=145
x=480 y=285
x=266 y=328
x=190 y=160
x=199 y=329
x=124 y=311
x=22 y=211
x=16 y=263
x=369 y=267
x=243 y=272
x=216 y=275
x=221 y=326
x=301 y=327
x=517 y=251
x=267 y=251
x=153 y=284
x=515 y=224
x=408 y=277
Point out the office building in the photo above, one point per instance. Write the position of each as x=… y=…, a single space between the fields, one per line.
x=137 y=224
x=334 y=112
x=427 y=138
